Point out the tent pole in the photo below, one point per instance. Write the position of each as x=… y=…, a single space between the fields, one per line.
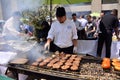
x=50 y=12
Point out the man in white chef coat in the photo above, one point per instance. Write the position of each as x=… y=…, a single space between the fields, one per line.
x=63 y=33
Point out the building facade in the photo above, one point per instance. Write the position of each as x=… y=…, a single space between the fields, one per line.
x=7 y=7
x=97 y=6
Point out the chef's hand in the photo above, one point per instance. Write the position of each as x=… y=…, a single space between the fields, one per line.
x=47 y=46
x=75 y=49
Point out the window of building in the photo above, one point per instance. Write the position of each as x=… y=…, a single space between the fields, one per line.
x=109 y=1
x=85 y=13
x=106 y=11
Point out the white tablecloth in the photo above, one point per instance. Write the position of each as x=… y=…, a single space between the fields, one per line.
x=90 y=47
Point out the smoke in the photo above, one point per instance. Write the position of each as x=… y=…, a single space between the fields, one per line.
x=10 y=6
x=30 y=49
x=29 y=4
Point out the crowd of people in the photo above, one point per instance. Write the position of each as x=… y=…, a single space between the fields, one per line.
x=102 y=28
x=63 y=34
x=87 y=27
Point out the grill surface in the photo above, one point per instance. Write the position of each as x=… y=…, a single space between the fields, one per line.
x=89 y=69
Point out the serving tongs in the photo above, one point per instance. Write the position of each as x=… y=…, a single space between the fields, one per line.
x=45 y=51
x=93 y=57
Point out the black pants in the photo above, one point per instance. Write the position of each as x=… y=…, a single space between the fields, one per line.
x=54 y=48
x=81 y=34
x=107 y=38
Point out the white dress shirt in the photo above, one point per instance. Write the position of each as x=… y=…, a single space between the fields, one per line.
x=83 y=22
x=78 y=24
x=63 y=33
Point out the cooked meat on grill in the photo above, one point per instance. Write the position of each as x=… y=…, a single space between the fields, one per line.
x=39 y=60
x=117 y=68
x=35 y=64
x=65 y=67
x=74 y=68
x=56 y=66
x=53 y=61
x=116 y=63
x=115 y=60
x=47 y=60
x=74 y=56
x=62 y=54
x=59 y=63
x=77 y=59
x=77 y=64
x=42 y=64
x=56 y=59
x=67 y=55
x=62 y=60
x=68 y=63
x=50 y=65
x=70 y=60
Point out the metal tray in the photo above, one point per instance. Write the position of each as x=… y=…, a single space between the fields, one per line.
x=19 y=61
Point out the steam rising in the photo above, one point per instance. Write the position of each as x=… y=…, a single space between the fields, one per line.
x=24 y=48
x=10 y=6
x=29 y=4
x=31 y=49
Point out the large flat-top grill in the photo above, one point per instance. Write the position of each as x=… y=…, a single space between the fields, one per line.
x=89 y=69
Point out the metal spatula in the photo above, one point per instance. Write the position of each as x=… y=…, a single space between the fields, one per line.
x=45 y=51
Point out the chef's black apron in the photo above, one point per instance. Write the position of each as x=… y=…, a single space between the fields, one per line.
x=68 y=50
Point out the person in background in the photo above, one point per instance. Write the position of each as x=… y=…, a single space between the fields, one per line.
x=90 y=27
x=63 y=33
x=119 y=21
x=78 y=25
x=29 y=29
x=11 y=28
x=94 y=18
x=46 y=29
x=107 y=24
x=119 y=26
x=42 y=33
x=11 y=33
x=98 y=22
x=83 y=22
